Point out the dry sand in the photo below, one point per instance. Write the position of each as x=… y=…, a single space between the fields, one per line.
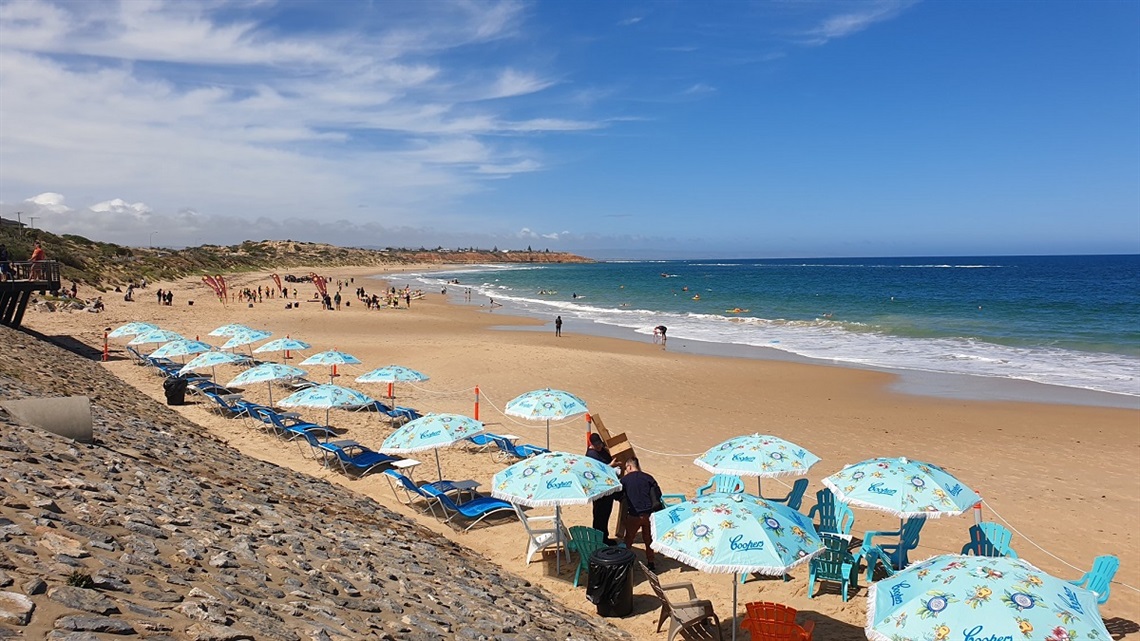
x=1064 y=476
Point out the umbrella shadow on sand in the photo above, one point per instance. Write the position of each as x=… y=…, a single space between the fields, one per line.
x=1119 y=627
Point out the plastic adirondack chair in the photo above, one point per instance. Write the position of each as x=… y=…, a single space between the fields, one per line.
x=669 y=500
x=777 y=630
x=722 y=483
x=474 y=510
x=989 y=539
x=693 y=619
x=834 y=517
x=893 y=554
x=1098 y=580
x=585 y=541
x=795 y=497
x=836 y=564
x=539 y=539
x=768 y=611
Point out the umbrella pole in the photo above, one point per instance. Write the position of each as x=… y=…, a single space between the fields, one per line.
x=557 y=537
x=548 y=434
x=438 y=469
x=269 y=384
x=734 y=582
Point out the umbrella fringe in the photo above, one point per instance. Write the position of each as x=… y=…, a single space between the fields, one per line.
x=902 y=514
x=720 y=469
x=532 y=502
x=704 y=566
x=869 y=629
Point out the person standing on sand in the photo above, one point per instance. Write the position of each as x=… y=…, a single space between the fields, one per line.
x=642 y=495
x=558 y=326
x=604 y=506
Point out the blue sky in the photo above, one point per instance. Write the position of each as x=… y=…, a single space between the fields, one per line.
x=614 y=129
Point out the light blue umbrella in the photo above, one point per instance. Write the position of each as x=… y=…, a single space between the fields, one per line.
x=980 y=597
x=181 y=347
x=390 y=375
x=283 y=345
x=333 y=358
x=131 y=329
x=210 y=359
x=326 y=397
x=230 y=330
x=245 y=337
x=266 y=373
x=546 y=404
x=431 y=432
x=902 y=487
x=734 y=533
x=757 y=455
x=155 y=336
x=555 y=478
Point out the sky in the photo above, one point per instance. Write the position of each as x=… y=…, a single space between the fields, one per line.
x=661 y=129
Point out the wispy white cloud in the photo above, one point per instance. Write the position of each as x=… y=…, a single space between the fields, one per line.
x=698 y=89
x=853 y=21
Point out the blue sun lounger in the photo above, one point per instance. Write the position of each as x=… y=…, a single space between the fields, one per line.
x=474 y=510
x=353 y=458
x=510 y=450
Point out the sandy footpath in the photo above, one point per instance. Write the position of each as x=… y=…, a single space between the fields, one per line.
x=1064 y=476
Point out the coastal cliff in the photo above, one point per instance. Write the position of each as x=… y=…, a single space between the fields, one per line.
x=160 y=531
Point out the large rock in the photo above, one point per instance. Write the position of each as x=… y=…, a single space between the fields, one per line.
x=15 y=608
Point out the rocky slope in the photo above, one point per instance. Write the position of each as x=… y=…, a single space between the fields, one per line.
x=158 y=531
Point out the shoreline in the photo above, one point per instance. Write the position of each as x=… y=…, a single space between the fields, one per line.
x=966 y=387
x=1048 y=469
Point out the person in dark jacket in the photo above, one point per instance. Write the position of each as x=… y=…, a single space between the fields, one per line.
x=604 y=506
x=642 y=495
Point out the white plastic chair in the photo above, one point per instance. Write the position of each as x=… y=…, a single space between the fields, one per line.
x=540 y=539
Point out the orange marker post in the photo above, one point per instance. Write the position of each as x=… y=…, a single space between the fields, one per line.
x=476 y=402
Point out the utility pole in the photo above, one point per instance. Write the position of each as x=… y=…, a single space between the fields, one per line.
x=32 y=220
x=151 y=244
x=18 y=220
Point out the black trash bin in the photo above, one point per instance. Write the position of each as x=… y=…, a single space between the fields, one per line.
x=611 y=581
x=175 y=389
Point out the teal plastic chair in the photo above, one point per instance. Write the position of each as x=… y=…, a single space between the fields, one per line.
x=795 y=497
x=989 y=539
x=836 y=564
x=1098 y=580
x=585 y=541
x=834 y=516
x=669 y=500
x=722 y=483
x=893 y=553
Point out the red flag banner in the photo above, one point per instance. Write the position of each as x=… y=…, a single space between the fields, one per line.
x=277 y=279
x=222 y=284
x=320 y=283
x=213 y=284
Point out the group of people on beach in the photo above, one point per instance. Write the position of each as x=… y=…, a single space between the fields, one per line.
x=640 y=497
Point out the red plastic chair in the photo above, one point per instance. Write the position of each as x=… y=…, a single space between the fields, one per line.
x=778 y=630
x=768 y=611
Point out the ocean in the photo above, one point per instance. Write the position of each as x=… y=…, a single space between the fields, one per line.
x=1068 y=321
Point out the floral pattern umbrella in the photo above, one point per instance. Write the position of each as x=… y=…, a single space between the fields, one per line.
x=555 y=478
x=131 y=329
x=392 y=374
x=757 y=455
x=245 y=337
x=155 y=336
x=431 y=432
x=210 y=359
x=331 y=357
x=230 y=330
x=733 y=533
x=902 y=487
x=181 y=347
x=546 y=404
x=980 y=597
x=283 y=345
x=326 y=397
x=266 y=373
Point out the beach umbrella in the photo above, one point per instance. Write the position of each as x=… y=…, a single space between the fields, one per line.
x=546 y=404
x=210 y=359
x=131 y=329
x=331 y=357
x=155 y=336
x=757 y=455
x=283 y=345
x=734 y=533
x=181 y=347
x=245 y=337
x=266 y=373
x=431 y=432
x=555 y=479
x=326 y=397
x=980 y=597
x=230 y=330
x=390 y=375
x=903 y=487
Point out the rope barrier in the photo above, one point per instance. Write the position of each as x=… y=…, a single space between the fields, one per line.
x=1031 y=542
x=465 y=390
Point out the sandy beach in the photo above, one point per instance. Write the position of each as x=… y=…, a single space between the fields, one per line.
x=1064 y=476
